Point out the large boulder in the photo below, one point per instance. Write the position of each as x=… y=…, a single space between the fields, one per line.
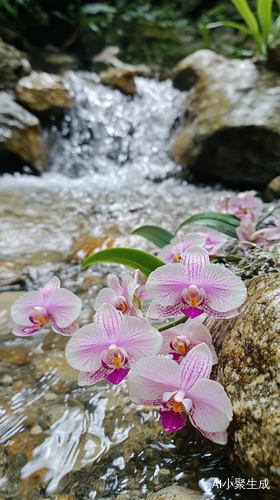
x=232 y=129
x=12 y=66
x=248 y=368
x=43 y=92
x=20 y=132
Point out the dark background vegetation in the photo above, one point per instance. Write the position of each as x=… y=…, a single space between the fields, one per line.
x=155 y=32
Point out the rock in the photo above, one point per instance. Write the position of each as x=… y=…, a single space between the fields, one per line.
x=175 y=493
x=108 y=58
x=43 y=92
x=12 y=66
x=232 y=130
x=59 y=63
x=272 y=190
x=55 y=361
x=19 y=132
x=10 y=273
x=15 y=357
x=119 y=79
x=248 y=368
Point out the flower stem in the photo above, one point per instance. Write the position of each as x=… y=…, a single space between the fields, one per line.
x=173 y=323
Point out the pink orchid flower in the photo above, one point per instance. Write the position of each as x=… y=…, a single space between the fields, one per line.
x=241 y=205
x=183 y=390
x=180 y=339
x=108 y=347
x=174 y=251
x=140 y=292
x=214 y=241
x=34 y=310
x=121 y=297
x=246 y=232
x=194 y=286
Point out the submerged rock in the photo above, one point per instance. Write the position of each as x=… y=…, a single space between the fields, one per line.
x=12 y=66
x=232 y=130
x=249 y=359
x=43 y=92
x=119 y=79
x=272 y=190
x=19 y=132
x=175 y=493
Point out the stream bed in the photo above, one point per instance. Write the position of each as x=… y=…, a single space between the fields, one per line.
x=107 y=171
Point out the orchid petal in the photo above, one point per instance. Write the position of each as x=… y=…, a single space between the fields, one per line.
x=64 y=305
x=194 y=258
x=196 y=365
x=52 y=285
x=192 y=312
x=138 y=337
x=86 y=378
x=114 y=284
x=171 y=421
x=199 y=334
x=85 y=348
x=166 y=283
x=68 y=330
x=158 y=311
x=20 y=310
x=212 y=409
x=224 y=315
x=109 y=318
x=150 y=377
x=216 y=437
x=187 y=404
x=22 y=330
x=224 y=290
x=106 y=295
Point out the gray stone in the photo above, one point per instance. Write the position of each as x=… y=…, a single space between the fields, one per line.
x=272 y=190
x=12 y=66
x=232 y=130
x=20 y=131
x=248 y=367
x=43 y=91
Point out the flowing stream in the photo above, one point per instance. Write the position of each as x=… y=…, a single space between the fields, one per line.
x=108 y=171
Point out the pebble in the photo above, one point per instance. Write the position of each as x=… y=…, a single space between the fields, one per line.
x=175 y=493
x=7 y=379
x=123 y=496
x=164 y=472
x=50 y=396
x=36 y=430
x=135 y=493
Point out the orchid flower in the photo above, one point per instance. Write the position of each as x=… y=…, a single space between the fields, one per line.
x=34 y=310
x=241 y=205
x=246 y=232
x=108 y=347
x=180 y=339
x=121 y=297
x=173 y=252
x=214 y=241
x=183 y=390
x=194 y=286
x=140 y=292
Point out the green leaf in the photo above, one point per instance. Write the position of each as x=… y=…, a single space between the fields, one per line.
x=264 y=8
x=160 y=237
x=136 y=259
x=237 y=26
x=96 y=8
x=223 y=223
x=252 y=23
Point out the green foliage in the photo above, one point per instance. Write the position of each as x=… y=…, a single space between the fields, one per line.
x=160 y=237
x=11 y=7
x=223 y=223
x=136 y=259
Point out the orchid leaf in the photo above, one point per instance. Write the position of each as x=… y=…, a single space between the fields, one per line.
x=223 y=223
x=160 y=237
x=130 y=257
x=264 y=9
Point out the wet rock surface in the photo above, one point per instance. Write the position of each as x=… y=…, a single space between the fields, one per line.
x=248 y=352
x=12 y=66
x=175 y=493
x=272 y=190
x=108 y=57
x=120 y=79
x=19 y=132
x=232 y=128
x=43 y=92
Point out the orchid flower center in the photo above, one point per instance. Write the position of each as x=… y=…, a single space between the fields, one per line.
x=180 y=344
x=193 y=296
x=120 y=304
x=177 y=401
x=116 y=358
x=243 y=210
x=177 y=407
x=39 y=316
x=176 y=258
